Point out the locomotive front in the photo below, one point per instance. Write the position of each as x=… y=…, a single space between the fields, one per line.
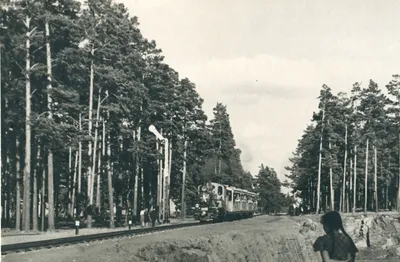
x=205 y=209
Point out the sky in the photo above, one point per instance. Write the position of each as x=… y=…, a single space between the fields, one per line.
x=267 y=59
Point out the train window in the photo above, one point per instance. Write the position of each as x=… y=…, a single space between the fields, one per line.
x=229 y=195
x=220 y=190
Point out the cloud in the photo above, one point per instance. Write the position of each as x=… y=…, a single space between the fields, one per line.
x=263 y=68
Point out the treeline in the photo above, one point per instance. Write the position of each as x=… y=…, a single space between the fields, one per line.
x=349 y=155
x=268 y=185
x=79 y=89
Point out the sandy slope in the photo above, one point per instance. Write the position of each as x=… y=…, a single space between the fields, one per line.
x=265 y=238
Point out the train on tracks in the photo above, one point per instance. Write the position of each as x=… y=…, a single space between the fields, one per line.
x=218 y=203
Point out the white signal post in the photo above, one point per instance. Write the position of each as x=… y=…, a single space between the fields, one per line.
x=165 y=180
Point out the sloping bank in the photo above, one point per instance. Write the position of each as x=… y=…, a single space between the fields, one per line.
x=287 y=239
x=267 y=238
x=377 y=236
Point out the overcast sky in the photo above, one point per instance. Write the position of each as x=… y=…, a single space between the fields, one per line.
x=267 y=59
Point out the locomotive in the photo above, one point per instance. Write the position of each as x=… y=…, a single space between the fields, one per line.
x=218 y=202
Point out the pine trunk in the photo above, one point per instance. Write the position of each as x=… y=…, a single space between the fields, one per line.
x=159 y=181
x=69 y=176
x=376 y=179
x=80 y=159
x=73 y=197
x=27 y=167
x=398 y=184
x=109 y=180
x=50 y=172
x=42 y=200
x=344 y=169
x=355 y=180
x=165 y=181
x=366 y=178
x=96 y=133
x=320 y=164
x=183 y=203
x=137 y=171
x=90 y=174
x=98 y=183
x=35 y=191
x=103 y=153
x=17 y=187
x=331 y=191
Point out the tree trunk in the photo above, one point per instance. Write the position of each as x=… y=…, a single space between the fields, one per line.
x=17 y=187
x=73 y=196
x=183 y=203
x=98 y=178
x=35 y=193
x=27 y=166
x=398 y=183
x=320 y=164
x=166 y=179
x=344 y=169
x=376 y=180
x=350 y=186
x=43 y=201
x=159 y=180
x=366 y=178
x=96 y=132
x=70 y=207
x=355 y=180
x=90 y=174
x=103 y=153
x=109 y=178
x=80 y=159
x=50 y=173
x=331 y=191
x=169 y=177
x=137 y=170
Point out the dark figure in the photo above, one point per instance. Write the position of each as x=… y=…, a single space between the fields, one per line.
x=153 y=217
x=335 y=245
x=158 y=212
x=146 y=217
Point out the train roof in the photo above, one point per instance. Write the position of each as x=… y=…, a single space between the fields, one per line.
x=244 y=191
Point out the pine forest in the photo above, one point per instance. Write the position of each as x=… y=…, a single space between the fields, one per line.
x=350 y=153
x=80 y=86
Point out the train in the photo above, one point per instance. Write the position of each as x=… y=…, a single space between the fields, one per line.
x=218 y=203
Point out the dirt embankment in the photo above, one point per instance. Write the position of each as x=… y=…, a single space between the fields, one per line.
x=263 y=239
x=377 y=236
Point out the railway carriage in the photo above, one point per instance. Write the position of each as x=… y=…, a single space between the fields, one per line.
x=219 y=202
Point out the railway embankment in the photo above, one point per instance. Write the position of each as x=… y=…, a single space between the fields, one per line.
x=377 y=236
x=266 y=238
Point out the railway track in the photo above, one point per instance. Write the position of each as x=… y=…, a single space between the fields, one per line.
x=66 y=241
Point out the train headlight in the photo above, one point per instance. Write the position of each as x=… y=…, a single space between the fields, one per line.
x=197 y=205
x=203 y=213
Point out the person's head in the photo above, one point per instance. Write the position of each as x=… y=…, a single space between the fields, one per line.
x=332 y=221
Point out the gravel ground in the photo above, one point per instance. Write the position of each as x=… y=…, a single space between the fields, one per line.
x=267 y=238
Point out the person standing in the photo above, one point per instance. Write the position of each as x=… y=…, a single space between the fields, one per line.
x=336 y=245
x=146 y=217
x=142 y=215
x=153 y=217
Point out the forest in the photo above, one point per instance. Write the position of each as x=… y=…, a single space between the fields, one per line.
x=80 y=86
x=348 y=158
